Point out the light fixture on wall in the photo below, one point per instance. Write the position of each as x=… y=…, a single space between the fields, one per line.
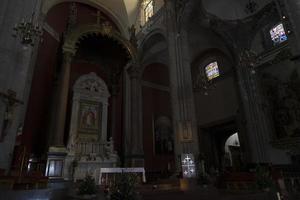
x=251 y=7
x=27 y=31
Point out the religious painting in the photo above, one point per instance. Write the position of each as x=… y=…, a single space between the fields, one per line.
x=163 y=136
x=90 y=117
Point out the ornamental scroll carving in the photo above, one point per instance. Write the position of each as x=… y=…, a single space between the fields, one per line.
x=283 y=103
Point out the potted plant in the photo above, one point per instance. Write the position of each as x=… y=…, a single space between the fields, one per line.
x=125 y=187
x=263 y=179
x=87 y=188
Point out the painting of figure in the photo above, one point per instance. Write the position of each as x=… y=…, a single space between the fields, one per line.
x=89 y=117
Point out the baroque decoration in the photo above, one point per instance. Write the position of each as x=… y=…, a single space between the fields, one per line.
x=284 y=106
x=28 y=31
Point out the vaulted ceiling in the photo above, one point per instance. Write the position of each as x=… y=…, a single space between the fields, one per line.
x=123 y=11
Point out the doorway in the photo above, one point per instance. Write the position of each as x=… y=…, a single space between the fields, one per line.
x=221 y=146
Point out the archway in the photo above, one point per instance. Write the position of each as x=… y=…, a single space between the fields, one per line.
x=232 y=156
x=81 y=50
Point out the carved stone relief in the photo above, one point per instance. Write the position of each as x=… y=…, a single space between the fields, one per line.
x=283 y=104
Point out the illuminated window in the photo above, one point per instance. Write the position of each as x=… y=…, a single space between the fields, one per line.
x=148 y=10
x=278 y=34
x=212 y=71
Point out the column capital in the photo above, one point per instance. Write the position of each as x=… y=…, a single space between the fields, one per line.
x=134 y=71
x=68 y=56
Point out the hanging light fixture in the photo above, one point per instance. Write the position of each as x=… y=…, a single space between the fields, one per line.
x=28 y=31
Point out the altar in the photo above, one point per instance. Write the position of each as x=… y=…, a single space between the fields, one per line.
x=108 y=175
x=88 y=148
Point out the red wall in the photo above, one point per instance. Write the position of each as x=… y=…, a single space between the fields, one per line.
x=155 y=103
x=38 y=110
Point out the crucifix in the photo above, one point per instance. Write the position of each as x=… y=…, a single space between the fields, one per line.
x=99 y=17
x=10 y=100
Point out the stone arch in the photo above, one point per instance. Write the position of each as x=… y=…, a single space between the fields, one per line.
x=79 y=33
x=151 y=34
x=152 y=49
x=47 y=5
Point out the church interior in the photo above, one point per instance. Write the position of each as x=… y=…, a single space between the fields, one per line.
x=167 y=99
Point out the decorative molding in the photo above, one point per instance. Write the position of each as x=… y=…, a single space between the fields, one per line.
x=91 y=84
x=51 y=31
x=104 y=29
x=155 y=86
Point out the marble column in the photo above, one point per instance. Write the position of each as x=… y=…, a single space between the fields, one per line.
x=184 y=116
x=257 y=122
x=62 y=100
x=135 y=152
x=57 y=151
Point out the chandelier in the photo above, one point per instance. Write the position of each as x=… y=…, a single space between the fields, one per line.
x=28 y=32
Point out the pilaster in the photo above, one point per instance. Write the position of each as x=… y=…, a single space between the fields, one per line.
x=184 y=117
x=134 y=140
x=62 y=97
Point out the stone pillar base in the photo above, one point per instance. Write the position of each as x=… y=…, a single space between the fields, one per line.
x=187 y=184
x=55 y=162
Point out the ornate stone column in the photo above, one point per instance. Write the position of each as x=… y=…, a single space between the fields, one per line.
x=62 y=100
x=184 y=117
x=57 y=150
x=134 y=140
x=258 y=125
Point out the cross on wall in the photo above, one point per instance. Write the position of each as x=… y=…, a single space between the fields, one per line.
x=188 y=166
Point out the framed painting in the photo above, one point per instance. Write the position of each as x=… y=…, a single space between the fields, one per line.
x=90 y=117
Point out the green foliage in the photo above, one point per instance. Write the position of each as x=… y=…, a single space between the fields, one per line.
x=88 y=186
x=263 y=178
x=124 y=187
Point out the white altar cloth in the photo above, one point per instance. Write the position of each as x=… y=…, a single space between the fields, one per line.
x=121 y=170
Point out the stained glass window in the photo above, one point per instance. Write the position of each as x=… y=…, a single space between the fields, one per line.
x=278 y=34
x=148 y=9
x=212 y=71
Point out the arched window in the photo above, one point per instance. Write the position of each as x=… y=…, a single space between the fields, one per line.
x=278 y=34
x=148 y=10
x=212 y=70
